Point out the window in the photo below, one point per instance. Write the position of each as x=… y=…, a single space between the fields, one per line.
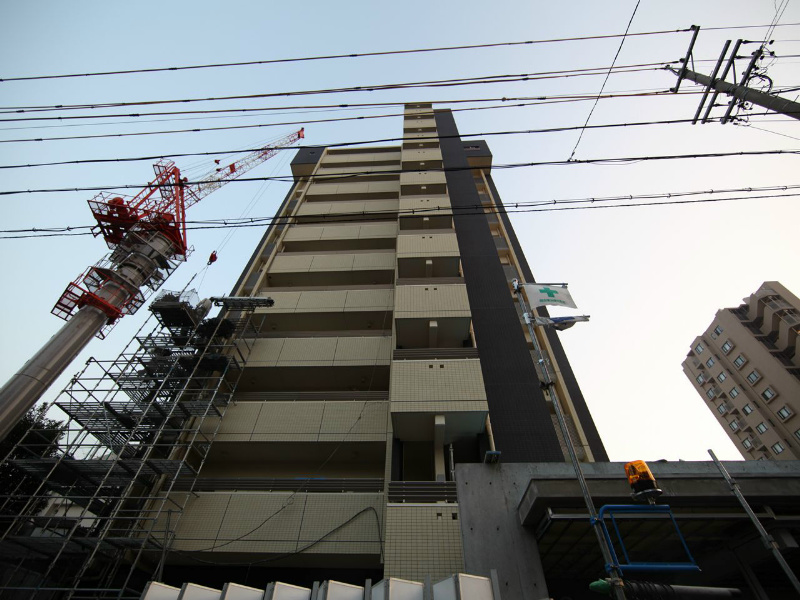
x=727 y=347
x=747 y=409
x=699 y=348
x=717 y=330
x=753 y=376
x=761 y=427
x=734 y=425
x=721 y=409
x=734 y=392
x=784 y=412
x=797 y=434
x=721 y=377
x=700 y=378
x=739 y=361
x=747 y=443
x=777 y=447
x=710 y=394
x=768 y=394
x=710 y=363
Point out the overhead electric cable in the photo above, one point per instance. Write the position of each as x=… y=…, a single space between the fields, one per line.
x=541 y=75
x=262 y=125
x=354 y=174
x=371 y=54
x=544 y=206
x=433 y=83
x=603 y=87
x=337 y=56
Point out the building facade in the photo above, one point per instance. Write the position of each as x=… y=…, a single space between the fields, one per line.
x=314 y=435
x=746 y=367
x=394 y=351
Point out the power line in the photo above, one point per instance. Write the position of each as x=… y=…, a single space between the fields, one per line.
x=337 y=56
x=339 y=144
x=476 y=210
x=603 y=87
x=434 y=83
x=352 y=174
x=541 y=75
x=371 y=54
x=552 y=100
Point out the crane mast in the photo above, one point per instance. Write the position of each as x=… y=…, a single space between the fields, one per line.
x=147 y=238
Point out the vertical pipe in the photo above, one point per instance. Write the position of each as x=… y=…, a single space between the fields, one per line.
x=616 y=579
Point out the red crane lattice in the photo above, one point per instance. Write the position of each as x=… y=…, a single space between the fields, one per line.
x=161 y=205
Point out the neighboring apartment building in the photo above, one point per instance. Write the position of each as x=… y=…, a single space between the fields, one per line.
x=746 y=367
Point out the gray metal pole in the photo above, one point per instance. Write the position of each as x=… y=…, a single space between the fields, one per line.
x=768 y=101
x=769 y=541
x=616 y=578
x=133 y=267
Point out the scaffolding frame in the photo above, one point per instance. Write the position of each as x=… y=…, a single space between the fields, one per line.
x=137 y=428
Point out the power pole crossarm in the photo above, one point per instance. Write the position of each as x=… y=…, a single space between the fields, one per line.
x=744 y=93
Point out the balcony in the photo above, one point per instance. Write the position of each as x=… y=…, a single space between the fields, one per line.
x=331 y=269
x=353 y=211
x=422 y=492
x=320 y=352
x=431 y=301
x=364 y=236
x=427 y=245
x=328 y=301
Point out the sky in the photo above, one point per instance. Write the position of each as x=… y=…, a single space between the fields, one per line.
x=651 y=278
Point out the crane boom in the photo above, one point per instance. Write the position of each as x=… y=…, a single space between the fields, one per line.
x=147 y=235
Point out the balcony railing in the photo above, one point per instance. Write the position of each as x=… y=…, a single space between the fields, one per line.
x=422 y=491
x=289 y=484
x=434 y=353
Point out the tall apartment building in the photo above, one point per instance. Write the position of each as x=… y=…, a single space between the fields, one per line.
x=395 y=349
x=746 y=367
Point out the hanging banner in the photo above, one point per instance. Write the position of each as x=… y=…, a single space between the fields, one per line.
x=542 y=294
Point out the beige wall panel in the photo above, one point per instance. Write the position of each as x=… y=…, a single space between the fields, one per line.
x=239 y=422
x=341 y=232
x=423 y=177
x=304 y=233
x=332 y=262
x=307 y=352
x=422 y=154
x=415 y=123
x=360 y=536
x=427 y=245
x=284 y=301
x=378 y=230
x=288 y=263
x=363 y=350
x=353 y=206
x=440 y=408
x=331 y=159
x=418 y=301
x=246 y=511
x=358 y=300
x=332 y=301
x=265 y=352
x=433 y=205
x=289 y=421
x=353 y=420
x=374 y=261
x=345 y=169
x=436 y=381
x=423 y=540
x=200 y=522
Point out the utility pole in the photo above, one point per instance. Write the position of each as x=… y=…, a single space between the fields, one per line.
x=739 y=92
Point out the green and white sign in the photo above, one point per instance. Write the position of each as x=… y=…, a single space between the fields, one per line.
x=553 y=295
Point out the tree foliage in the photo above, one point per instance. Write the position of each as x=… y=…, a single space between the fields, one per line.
x=40 y=437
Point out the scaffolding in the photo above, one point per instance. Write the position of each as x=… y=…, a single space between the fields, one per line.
x=92 y=509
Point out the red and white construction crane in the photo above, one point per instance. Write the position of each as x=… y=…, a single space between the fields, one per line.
x=147 y=237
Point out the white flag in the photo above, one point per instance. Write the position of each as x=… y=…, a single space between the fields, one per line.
x=540 y=294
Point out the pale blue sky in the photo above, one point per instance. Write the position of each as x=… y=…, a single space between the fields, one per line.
x=652 y=278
